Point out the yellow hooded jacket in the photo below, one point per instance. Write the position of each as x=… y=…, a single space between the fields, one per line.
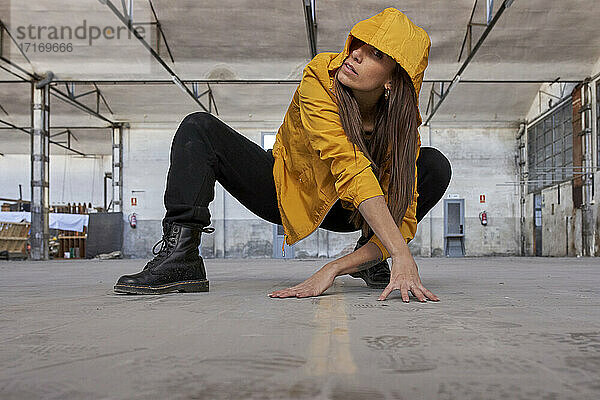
x=315 y=161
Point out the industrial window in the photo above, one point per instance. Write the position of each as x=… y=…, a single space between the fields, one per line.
x=550 y=148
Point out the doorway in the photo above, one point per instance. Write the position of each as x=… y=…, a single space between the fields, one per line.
x=537 y=224
x=454 y=222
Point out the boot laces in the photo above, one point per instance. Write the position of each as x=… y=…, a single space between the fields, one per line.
x=167 y=243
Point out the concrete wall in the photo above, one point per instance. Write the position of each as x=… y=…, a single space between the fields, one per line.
x=559 y=229
x=561 y=223
x=483 y=161
x=596 y=213
x=480 y=157
x=527 y=227
x=238 y=232
x=72 y=178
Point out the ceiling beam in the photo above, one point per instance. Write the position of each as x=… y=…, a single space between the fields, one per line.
x=129 y=24
x=66 y=98
x=57 y=93
x=161 y=33
x=28 y=132
x=505 y=4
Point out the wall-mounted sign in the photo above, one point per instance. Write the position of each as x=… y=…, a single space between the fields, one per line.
x=137 y=199
x=482 y=198
x=453 y=196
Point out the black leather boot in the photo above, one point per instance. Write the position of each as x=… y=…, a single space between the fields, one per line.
x=377 y=276
x=176 y=267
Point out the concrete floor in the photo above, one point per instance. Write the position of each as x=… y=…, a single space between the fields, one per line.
x=505 y=328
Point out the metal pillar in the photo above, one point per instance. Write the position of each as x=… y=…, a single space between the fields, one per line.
x=523 y=173
x=322 y=242
x=117 y=168
x=587 y=223
x=40 y=162
x=310 y=16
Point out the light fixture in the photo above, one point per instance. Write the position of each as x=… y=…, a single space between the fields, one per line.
x=178 y=82
x=453 y=83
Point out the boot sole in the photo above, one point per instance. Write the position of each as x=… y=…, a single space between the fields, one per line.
x=184 y=286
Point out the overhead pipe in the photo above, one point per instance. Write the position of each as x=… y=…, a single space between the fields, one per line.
x=283 y=81
x=45 y=81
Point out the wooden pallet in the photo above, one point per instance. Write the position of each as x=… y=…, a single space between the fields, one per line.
x=13 y=238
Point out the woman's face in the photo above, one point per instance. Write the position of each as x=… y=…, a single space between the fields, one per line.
x=372 y=68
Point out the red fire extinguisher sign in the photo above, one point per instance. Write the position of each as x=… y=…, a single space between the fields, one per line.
x=482 y=198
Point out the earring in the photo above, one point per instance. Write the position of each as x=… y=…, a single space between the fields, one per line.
x=387 y=93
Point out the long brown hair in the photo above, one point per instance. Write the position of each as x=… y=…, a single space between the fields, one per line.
x=393 y=145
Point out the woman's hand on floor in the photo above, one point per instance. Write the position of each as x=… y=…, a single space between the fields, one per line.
x=405 y=277
x=404 y=274
x=319 y=282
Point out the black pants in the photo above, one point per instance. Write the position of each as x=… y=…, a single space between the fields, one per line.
x=205 y=150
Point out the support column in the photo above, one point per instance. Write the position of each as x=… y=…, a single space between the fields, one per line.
x=523 y=177
x=322 y=243
x=587 y=222
x=40 y=162
x=117 y=168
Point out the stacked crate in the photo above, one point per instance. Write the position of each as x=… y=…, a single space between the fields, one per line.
x=13 y=238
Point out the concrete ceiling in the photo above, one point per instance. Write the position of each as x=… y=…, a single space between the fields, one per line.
x=259 y=39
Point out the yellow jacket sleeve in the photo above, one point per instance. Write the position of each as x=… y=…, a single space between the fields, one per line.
x=354 y=179
x=408 y=227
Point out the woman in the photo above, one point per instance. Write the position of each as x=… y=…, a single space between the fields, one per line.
x=347 y=148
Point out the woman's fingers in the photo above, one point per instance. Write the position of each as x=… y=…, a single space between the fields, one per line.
x=294 y=291
x=429 y=295
x=404 y=292
x=283 y=294
x=419 y=291
x=418 y=294
x=388 y=289
x=280 y=293
x=306 y=289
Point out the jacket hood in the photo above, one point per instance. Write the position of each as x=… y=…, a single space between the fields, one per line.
x=393 y=33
